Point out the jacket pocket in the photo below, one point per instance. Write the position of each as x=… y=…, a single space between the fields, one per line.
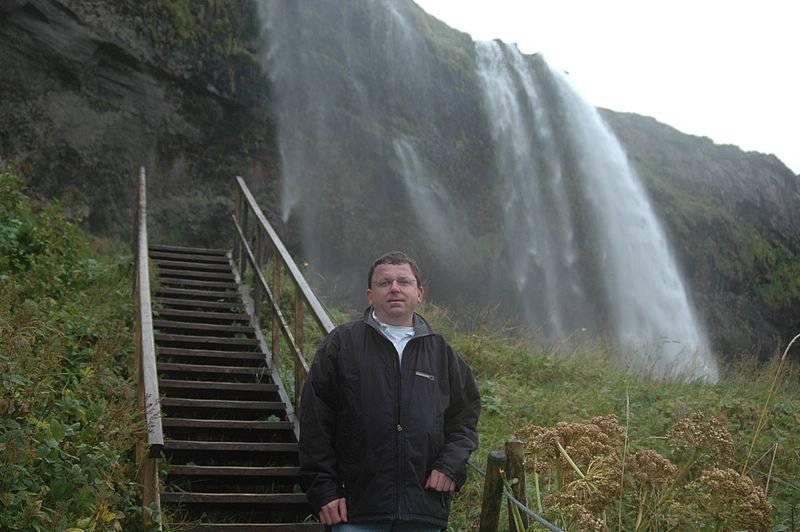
x=425 y=375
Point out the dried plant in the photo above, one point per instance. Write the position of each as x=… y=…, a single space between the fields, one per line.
x=731 y=500
x=581 y=466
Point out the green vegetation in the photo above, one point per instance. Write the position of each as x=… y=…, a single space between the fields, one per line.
x=572 y=393
x=67 y=428
x=220 y=36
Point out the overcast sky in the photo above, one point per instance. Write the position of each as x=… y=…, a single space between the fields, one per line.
x=728 y=70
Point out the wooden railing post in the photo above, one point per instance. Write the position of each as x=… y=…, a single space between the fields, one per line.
x=492 y=492
x=276 y=294
x=256 y=284
x=299 y=338
x=515 y=469
x=243 y=225
x=237 y=215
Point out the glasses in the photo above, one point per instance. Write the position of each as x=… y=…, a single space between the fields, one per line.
x=403 y=282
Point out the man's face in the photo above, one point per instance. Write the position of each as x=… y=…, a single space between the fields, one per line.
x=394 y=294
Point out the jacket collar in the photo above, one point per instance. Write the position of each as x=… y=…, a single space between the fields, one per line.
x=421 y=327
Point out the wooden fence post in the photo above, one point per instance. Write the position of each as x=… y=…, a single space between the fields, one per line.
x=492 y=492
x=515 y=469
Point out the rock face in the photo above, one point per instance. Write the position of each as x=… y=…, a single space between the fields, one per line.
x=87 y=98
x=92 y=89
x=735 y=225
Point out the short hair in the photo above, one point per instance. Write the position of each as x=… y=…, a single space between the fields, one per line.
x=395 y=257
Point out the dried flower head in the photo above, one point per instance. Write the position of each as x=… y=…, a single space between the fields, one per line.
x=731 y=498
x=599 y=487
x=585 y=519
x=709 y=437
x=651 y=470
x=539 y=442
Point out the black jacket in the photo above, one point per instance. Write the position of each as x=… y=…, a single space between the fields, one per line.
x=372 y=431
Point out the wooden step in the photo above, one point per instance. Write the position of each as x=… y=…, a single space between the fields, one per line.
x=189 y=250
x=192 y=266
x=257 y=527
x=219 y=446
x=200 y=356
x=229 y=370
x=221 y=404
x=234 y=471
x=164 y=273
x=215 y=385
x=179 y=281
x=195 y=303
x=188 y=292
x=234 y=498
x=228 y=424
x=201 y=315
x=210 y=327
x=197 y=339
x=191 y=257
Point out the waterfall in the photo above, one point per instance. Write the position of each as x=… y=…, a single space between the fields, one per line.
x=484 y=164
x=565 y=174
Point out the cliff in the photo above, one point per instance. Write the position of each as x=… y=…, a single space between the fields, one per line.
x=91 y=90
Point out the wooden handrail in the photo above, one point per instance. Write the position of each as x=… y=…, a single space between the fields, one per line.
x=250 y=247
x=150 y=446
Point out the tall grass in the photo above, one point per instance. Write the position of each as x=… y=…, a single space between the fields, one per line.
x=563 y=393
x=67 y=400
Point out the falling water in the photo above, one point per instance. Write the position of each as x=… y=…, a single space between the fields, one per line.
x=506 y=186
x=565 y=176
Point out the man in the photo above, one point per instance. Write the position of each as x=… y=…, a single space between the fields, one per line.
x=388 y=414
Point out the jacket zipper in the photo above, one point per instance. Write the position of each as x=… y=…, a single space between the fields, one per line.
x=398 y=483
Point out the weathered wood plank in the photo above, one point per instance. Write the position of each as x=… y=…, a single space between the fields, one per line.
x=182 y=281
x=221 y=404
x=217 y=446
x=200 y=266
x=173 y=422
x=234 y=498
x=196 y=339
x=188 y=250
x=215 y=385
x=196 y=303
x=216 y=370
x=202 y=315
x=191 y=257
x=167 y=273
x=234 y=471
x=188 y=292
x=210 y=327
x=251 y=356
x=258 y=527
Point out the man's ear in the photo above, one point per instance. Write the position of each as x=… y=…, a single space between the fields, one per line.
x=369 y=296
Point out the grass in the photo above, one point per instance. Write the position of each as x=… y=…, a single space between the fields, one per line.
x=525 y=383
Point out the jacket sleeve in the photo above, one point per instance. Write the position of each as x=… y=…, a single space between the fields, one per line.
x=318 y=406
x=460 y=421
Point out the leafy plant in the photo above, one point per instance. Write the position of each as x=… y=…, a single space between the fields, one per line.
x=67 y=427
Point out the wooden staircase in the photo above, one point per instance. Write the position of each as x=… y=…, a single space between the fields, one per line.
x=230 y=445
